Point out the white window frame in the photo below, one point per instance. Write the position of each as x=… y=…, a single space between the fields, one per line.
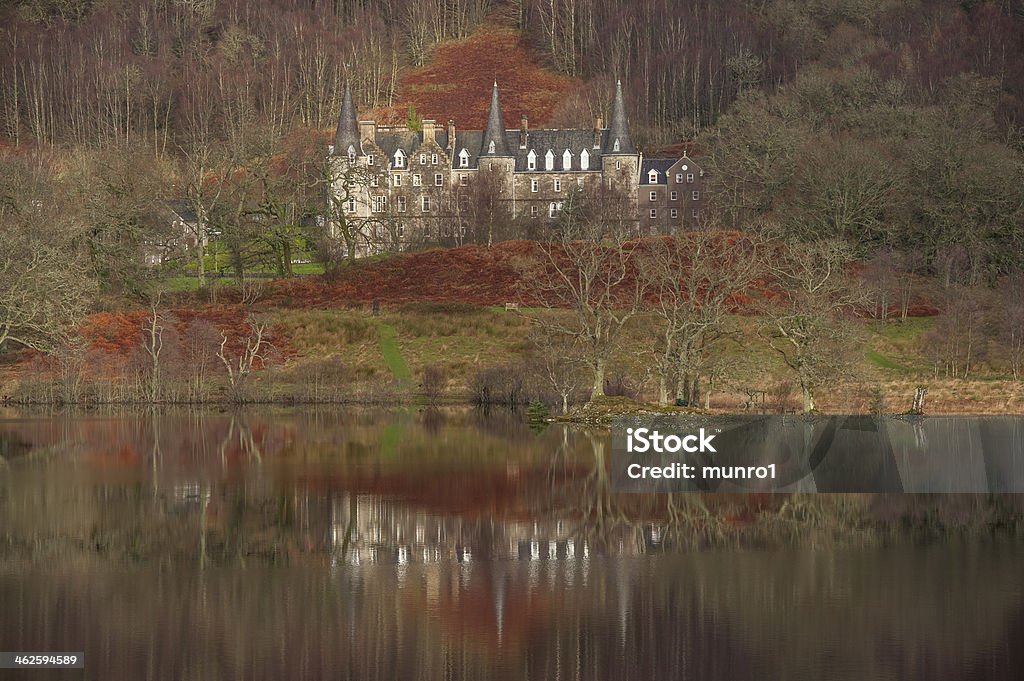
x=433 y=159
x=652 y=177
x=696 y=196
x=654 y=196
x=463 y=159
x=400 y=201
x=679 y=178
x=425 y=203
x=463 y=180
x=438 y=180
x=654 y=213
x=531 y=160
x=396 y=180
x=689 y=178
x=423 y=159
x=490 y=147
x=673 y=213
x=534 y=185
x=350 y=205
x=534 y=212
x=417 y=180
x=558 y=185
x=373 y=180
x=369 y=159
x=399 y=159
x=566 y=160
x=584 y=160
x=379 y=204
x=549 y=160
x=616 y=146
x=675 y=196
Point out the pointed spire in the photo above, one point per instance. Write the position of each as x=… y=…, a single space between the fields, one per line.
x=347 y=135
x=618 y=134
x=494 y=137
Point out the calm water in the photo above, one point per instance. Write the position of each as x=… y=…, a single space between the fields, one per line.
x=419 y=545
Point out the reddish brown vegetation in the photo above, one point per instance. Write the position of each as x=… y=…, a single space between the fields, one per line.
x=457 y=83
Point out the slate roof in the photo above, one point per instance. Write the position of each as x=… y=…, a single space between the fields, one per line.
x=184 y=210
x=662 y=165
x=347 y=134
x=619 y=128
x=495 y=134
x=539 y=141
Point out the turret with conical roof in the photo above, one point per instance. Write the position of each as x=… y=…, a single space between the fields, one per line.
x=494 y=143
x=618 y=134
x=346 y=139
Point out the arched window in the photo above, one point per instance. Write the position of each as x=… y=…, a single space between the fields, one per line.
x=584 y=160
x=549 y=160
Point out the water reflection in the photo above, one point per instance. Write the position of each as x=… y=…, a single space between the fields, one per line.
x=455 y=545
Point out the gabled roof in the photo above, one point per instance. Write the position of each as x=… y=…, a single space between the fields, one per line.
x=183 y=209
x=661 y=165
x=406 y=140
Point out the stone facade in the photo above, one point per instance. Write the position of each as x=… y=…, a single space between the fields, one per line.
x=418 y=184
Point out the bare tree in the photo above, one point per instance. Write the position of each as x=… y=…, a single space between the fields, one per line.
x=45 y=283
x=253 y=353
x=803 y=317
x=695 y=280
x=589 y=269
x=559 y=361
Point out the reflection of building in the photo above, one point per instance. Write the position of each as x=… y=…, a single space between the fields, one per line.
x=426 y=181
x=370 y=529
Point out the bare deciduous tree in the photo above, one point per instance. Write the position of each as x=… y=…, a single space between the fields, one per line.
x=589 y=269
x=803 y=316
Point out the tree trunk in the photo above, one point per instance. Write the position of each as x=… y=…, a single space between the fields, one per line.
x=663 y=390
x=565 y=403
x=599 y=371
x=808 y=397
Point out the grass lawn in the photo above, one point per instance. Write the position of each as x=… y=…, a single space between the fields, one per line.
x=391 y=353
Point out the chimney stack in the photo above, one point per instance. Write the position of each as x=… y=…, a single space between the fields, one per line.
x=428 y=130
x=597 y=132
x=451 y=135
x=524 y=131
x=368 y=130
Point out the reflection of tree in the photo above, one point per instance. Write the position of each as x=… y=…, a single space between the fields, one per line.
x=601 y=515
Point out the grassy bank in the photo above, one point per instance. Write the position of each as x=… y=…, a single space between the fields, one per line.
x=352 y=355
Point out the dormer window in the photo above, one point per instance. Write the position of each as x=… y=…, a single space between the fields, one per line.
x=616 y=147
x=531 y=160
x=584 y=160
x=652 y=177
x=399 y=159
x=549 y=160
x=490 y=147
x=351 y=153
x=567 y=160
x=463 y=159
